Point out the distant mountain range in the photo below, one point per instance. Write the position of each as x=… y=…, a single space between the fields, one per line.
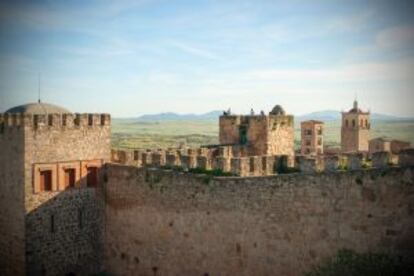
x=333 y=115
x=171 y=116
x=325 y=115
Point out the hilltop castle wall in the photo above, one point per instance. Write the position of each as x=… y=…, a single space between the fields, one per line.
x=63 y=222
x=169 y=223
x=12 y=220
x=264 y=134
x=58 y=142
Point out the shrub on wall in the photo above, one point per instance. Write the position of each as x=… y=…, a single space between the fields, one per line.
x=349 y=263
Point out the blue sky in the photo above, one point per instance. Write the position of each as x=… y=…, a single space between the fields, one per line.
x=146 y=56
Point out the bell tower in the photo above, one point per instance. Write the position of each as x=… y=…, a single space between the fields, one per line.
x=355 y=130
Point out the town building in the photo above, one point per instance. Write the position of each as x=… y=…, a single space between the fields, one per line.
x=387 y=144
x=312 y=137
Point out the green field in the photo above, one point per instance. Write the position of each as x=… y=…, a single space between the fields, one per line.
x=130 y=133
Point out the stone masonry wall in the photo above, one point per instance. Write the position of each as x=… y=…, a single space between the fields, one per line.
x=280 y=135
x=69 y=247
x=169 y=223
x=12 y=253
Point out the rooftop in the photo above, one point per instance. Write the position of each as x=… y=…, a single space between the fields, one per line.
x=312 y=121
x=38 y=108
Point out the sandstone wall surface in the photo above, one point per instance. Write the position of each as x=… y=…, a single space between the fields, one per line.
x=75 y=242
x=170 y=223
x=12 y=247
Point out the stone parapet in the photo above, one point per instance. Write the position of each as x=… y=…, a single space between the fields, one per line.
x=203 y=162
x=53 y=121
x=188 y=161
x=172 y=159
x=158 y=158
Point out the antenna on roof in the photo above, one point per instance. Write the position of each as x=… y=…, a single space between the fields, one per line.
x=38 y=88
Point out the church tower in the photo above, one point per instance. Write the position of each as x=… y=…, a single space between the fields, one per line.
x=355 y=130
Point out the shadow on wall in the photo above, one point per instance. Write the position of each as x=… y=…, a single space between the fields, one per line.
x=64 y=230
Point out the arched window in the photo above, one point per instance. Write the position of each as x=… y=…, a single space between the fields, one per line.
x=353 y=122
x=361 y=123
x=366 y=123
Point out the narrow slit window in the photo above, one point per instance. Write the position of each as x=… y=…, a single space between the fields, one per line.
x=52 y=224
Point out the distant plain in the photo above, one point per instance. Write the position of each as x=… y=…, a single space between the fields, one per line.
x=139 y=134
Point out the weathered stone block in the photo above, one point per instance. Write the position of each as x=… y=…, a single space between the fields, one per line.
x=172 y=160
x=158 y=158
x=203 y=162
x=222 y=163
x=188 y=161
x=239 y=166
x=268 y=165
x=147 y=158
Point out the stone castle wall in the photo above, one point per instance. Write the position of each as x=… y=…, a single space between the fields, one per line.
x=12 y=212
x=265 y=134
x=231 y=159
x=76 y=241
x=169 y=223
x=61 y=230
x=280 y=135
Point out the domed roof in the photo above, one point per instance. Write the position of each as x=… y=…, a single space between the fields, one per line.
x=38 y=108
x=278 y=110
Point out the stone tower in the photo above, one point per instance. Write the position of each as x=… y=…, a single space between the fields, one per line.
x=312 y=137
x=271 y=134
x=355 y=130
x=50 y=185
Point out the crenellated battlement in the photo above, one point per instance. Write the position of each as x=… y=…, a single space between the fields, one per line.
x=9 y=121
x=284 y=120
x=229 y=160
